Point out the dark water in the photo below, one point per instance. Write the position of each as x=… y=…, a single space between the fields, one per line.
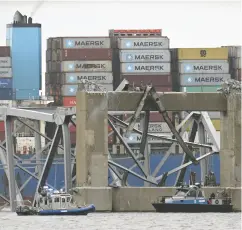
x=118 y=221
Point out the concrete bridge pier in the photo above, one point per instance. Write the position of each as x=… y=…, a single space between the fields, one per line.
x=92 y=151
x=230 y=139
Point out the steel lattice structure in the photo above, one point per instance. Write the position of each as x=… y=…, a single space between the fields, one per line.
x=61 y=117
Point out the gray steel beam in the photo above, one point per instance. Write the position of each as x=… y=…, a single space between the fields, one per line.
x=30 y=114
x=4 y=198
x=163 y=112
x=10 y=162
x=211 y=131
x=131 y=172
x=67 y=155
x=137 y=111
x=144 y=147
x=38 y=148
x=3 y=159
x=183 y=166
x=127 y=147
x=173 y=101
x=181 y=173
x=204 y=163
x=49 y=160
x=161 y=137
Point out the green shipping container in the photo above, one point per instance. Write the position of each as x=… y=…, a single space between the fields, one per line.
x=199 y=89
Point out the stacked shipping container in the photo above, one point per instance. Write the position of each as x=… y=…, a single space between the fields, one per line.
x=203 y=70
x=70 y=60
x=73 y=59
x=5 y=73
x=142 y=57
x=5 y=83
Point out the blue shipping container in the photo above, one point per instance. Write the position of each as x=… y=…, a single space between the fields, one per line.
x=26 y=94
x=6 y=94
x=5 y=83
x=25 y=43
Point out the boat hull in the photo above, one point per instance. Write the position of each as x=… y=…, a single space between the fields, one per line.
x=193 y=208
x=71 y=212
x=63 y=212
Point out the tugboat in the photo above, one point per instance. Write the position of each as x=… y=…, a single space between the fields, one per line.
x=191 y=199
x=54 y=202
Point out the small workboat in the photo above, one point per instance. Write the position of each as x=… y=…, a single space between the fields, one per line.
x=54 y=202
x=192 y=199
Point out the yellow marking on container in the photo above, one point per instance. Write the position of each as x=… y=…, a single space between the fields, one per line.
x=203 y=53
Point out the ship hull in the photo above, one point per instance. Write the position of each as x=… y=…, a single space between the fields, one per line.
x=192 y=208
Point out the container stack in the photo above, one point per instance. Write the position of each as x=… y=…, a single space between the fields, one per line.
x=142 y=57
x=5 y=74
x=146 y=61
x=72 y=59
x=203 y=70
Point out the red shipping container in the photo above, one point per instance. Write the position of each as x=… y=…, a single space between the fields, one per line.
x=2 y=135
x=2 y=127
x=73 y=137
x=161 y=80
x=69 y=101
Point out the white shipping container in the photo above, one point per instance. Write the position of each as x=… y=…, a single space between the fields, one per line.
x=6 y=72
x=157 y=68
x=203 y=79
x=71 y=90
x=145 y=56
x=86 y=43
x=155 y=127
x=203 y=67
x=135 y=138
x=86 y=66
x=25 y=145
x=99 y=78
x=5 y=62
x=144 y=43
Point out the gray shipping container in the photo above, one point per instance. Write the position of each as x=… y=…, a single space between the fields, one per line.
x=75 y=78
x=86 y=66
x=144 y=43
x=156 y=68
x=70 y=90
x=203 y=67
x=79 y=66
x=99 y=78
x=145 y=56
x=203 y=79
x=6 y=72
x=5 y=62
x=85 y=43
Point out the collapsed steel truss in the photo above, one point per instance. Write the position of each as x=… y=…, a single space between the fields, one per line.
x=61 y=117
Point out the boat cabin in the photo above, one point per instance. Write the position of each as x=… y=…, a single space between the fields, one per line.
x=54 y=201
x=191 y=192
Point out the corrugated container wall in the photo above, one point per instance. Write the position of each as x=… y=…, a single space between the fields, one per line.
x=5 y=51
x=143 y=43
x=203 y=54
x=81 y=43
x=75 y=78
x=25 y=43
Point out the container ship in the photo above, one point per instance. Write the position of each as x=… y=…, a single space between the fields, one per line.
x=139 y=56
